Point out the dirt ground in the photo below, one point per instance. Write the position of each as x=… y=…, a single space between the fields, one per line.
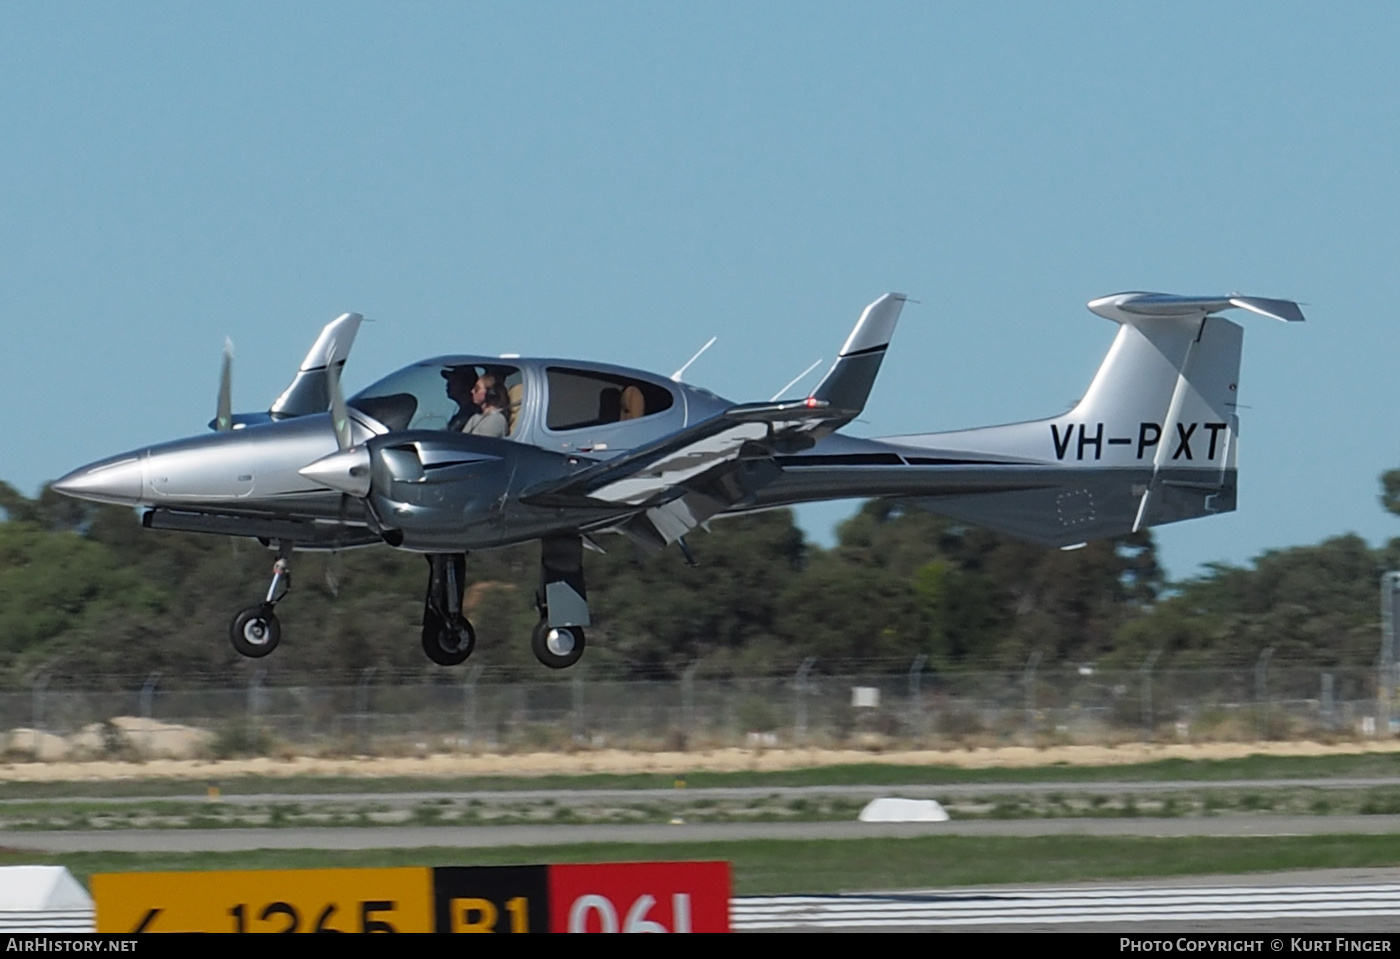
x=665 y=763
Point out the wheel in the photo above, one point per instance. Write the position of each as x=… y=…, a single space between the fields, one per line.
x=558 y=647
x=445 y=643
x=255 y=631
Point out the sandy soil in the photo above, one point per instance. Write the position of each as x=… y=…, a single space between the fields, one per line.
x=666 y=763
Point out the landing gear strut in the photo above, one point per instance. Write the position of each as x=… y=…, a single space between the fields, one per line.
x=255 y=631
x=558 y=639
x=448 y=639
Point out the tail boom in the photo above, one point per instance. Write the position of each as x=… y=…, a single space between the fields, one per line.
x=1153 y=441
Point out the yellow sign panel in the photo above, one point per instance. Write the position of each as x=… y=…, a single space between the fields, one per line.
x=294 y=900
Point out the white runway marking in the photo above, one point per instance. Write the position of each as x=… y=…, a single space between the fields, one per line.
x=1043 y=907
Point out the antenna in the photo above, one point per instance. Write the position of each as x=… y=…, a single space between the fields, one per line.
x=676 y=376
x=795 y=380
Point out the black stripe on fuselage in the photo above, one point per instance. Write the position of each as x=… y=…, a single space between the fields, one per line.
x=888 y=459
x=956 y=461
x=841 y=459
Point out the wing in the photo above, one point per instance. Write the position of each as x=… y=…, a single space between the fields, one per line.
x=655 y=473
x=670 y=486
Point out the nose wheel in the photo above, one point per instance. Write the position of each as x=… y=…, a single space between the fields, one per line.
x=557 y=647
x=255 y=631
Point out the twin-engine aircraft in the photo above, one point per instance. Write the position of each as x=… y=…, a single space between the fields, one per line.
x=463 y=453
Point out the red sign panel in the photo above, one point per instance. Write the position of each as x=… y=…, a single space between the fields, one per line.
x=639 y=897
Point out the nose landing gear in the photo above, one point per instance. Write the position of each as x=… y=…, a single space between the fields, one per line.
x=255 y=631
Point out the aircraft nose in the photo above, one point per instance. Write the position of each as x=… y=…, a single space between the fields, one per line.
x=116 y=480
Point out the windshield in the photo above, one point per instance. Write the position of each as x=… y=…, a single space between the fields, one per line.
x=436 y=395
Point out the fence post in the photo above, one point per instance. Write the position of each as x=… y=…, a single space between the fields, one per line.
x=1028 y=678
x=1386 y=673
x=800 y=687
x=916 y=700
x=362 y=708
x=688 y=701
x=1261 y=689
x=254 y=682
x=40 y=682
x=1148 y=723
x=469 y=701
x=148 y=691
x=576 y=695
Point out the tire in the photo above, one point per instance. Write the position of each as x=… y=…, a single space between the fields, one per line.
x=448 y=644
x=557 y=647
x=255 y=631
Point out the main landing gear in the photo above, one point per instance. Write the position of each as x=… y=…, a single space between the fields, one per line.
x=255 y=631
x=558 y=638
x=448 y=638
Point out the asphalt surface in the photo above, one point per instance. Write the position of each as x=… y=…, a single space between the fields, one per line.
x=1303 y=909
x=481 y=837
x=1288 y=912
x=912 y=791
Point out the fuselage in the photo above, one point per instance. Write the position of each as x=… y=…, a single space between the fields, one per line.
x=463 y=492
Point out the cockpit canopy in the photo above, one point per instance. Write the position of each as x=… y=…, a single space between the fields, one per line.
x=434 y=395
x=560 y=398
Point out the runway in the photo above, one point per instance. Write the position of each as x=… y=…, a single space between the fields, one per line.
x=1324 y=902
x=941 y=791
x=481 y=837
x=1323 y=906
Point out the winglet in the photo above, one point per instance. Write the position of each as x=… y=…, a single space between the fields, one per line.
x=847 y=384
x=309 y=392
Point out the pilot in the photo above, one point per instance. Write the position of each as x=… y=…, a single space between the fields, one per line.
x=461 y=381
x=488 y=397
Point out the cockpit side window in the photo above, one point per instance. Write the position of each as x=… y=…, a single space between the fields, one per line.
x=581 y=398
x=431 y=396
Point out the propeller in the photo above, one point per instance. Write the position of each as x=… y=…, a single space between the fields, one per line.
x=223 y=419
x=340 y=420
x=348 y=468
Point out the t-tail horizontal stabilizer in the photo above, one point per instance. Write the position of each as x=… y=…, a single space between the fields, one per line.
x=1153 y=441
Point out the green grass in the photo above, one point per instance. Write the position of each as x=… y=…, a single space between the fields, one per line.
x=770 y=867
x=873 y=774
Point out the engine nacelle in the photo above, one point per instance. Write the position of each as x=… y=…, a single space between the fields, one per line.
x=440 y=490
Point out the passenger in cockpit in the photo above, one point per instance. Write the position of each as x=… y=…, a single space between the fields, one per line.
x=490 y=398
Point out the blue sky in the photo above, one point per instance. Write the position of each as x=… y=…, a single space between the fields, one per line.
x=620 y=181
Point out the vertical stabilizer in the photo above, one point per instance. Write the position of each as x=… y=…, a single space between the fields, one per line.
x=1152 y=441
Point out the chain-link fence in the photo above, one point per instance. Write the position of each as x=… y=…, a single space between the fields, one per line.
x=914 y=708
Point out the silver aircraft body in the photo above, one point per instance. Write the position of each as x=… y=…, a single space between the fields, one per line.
x=462 y=453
